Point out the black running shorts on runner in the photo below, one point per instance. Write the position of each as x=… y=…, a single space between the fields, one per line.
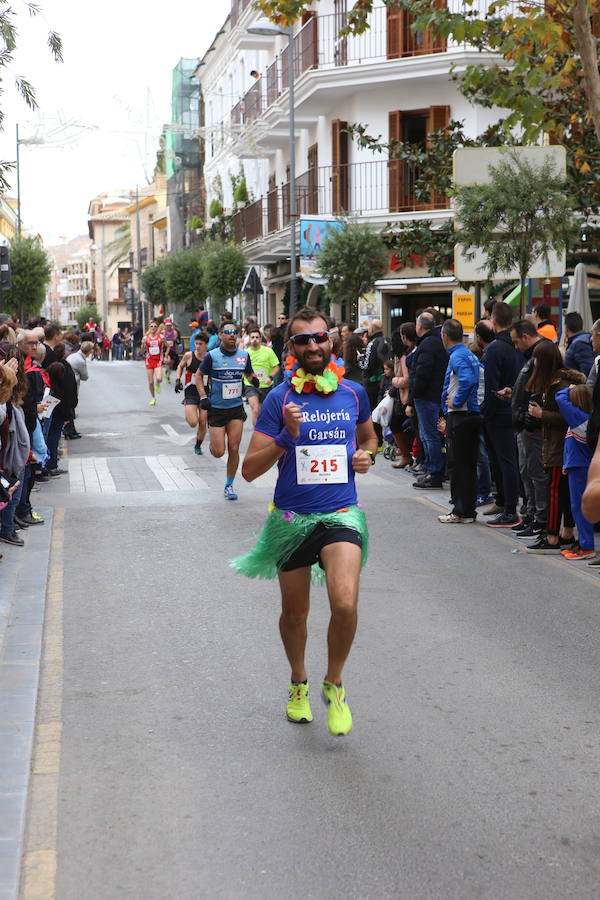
x=191 y=396
x=309 y=551
x=251 y=391
x=219 y=418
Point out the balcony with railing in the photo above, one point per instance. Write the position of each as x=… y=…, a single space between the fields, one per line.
x=375 y=190
x=318 y=46
x=247 y=223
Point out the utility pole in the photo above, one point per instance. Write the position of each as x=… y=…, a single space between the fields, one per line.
x=18 y=191
x=138 y=258
x=293 y=213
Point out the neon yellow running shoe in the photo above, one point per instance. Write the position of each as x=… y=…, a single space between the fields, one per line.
x=158 y=387
x=339 y=717
x=153 y=401
x=298 y=706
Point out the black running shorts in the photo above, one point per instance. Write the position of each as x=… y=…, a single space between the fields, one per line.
x=219 y=418
x=191 y=396
x=309 y=551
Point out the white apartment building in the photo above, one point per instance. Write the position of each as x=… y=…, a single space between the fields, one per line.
x=393 y=81
x=75 y=284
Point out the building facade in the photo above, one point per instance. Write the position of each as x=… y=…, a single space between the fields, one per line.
x=109 y=231
x=8 y=219
x=183 y=155
x=390 y=79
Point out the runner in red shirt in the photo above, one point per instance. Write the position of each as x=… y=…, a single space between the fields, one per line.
x=153 y=348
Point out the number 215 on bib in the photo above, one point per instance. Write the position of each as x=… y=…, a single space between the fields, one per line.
x=327 y=464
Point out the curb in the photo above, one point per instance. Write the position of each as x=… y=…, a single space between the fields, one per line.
x=23 y=573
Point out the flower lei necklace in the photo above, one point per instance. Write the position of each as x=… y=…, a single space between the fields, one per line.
x=305 y=383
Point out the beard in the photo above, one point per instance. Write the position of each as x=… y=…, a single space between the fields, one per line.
x=316 y=363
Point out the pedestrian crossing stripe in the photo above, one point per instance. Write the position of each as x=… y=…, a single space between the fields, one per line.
x=118 y=474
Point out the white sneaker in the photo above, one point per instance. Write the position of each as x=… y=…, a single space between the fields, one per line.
x=453 y=519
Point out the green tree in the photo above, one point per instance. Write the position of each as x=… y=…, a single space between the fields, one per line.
x=30 y=274
x=224 y=267
x=154 y=283
x=183 y=276
x=88 y=311
x=9 y=30
x=522 y=214
x=352 y=259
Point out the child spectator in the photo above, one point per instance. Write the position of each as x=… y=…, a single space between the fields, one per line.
x=386 y=379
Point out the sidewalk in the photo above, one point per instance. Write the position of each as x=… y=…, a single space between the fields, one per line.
x=23 y=578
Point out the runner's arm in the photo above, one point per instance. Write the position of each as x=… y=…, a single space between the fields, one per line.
x=250 y=375
x=279 y=433
x=273 y=374
x=185 y=359
x=366 y=438
x=205 y=368
x=261 y=455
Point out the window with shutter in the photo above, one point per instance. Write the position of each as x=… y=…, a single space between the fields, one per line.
x=272 y=216
x=402 y=40
x=438 y=119
x=395 y=166
x=312 y=198
x=309 y=44
x=340 y=18
x=412 y=127
x=285 y=197
x=394 y=30
x=339 y=166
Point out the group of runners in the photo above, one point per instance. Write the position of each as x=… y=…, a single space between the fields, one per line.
x=316 y=427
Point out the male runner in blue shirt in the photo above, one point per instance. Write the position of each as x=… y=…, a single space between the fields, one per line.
x=317 y=427
x=225 y=366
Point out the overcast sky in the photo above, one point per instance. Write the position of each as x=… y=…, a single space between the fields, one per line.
x=103 y=108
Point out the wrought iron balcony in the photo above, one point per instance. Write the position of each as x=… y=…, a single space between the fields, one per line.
x=374 y=189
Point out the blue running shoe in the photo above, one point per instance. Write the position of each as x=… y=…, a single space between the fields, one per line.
x=229 y=492
x=198 y=448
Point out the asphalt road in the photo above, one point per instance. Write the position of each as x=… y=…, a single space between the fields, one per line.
x=473 y=767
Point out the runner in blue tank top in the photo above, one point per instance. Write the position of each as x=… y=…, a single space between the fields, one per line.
x=317 y=427
x=226 y=366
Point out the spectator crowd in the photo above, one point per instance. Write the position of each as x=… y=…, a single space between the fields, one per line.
x=510 y=420
x=503 y=420
x=41 y=369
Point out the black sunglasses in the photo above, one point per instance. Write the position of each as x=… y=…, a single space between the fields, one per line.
x=319 y=337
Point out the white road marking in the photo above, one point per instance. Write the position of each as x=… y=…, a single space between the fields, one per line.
x=180 y=439
x=90 y=475
x=105 y=434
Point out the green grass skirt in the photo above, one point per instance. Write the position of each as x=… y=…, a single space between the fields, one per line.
x=284 y=532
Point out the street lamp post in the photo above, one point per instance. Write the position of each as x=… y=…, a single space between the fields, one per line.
x=18 y=190
x=270 y=29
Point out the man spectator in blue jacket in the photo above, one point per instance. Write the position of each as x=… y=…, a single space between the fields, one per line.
x=502 y=364
x=580 y=354
x=429 y=368
x=461 y=396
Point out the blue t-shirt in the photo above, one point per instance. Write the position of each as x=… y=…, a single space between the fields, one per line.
x=328 y=421
x=226 y=371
